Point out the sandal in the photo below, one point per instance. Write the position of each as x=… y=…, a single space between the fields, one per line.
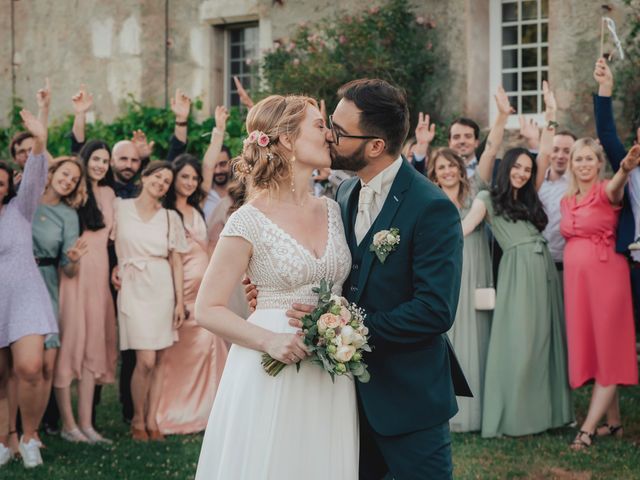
x=606 y=430
x=578 y=442
x=139 y=434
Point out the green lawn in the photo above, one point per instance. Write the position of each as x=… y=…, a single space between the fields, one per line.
x=537 y=457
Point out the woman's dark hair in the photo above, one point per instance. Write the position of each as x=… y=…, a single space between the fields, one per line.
x=90 y=215
x=181 y=161
x=384 y=110
x=527 y=205
x=12 y=189
x=237 y=192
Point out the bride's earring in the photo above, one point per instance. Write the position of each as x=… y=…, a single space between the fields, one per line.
x=293 y=186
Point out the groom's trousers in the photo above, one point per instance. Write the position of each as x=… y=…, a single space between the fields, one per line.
x=421 y=455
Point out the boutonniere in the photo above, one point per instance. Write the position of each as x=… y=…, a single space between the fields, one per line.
x=385 y=242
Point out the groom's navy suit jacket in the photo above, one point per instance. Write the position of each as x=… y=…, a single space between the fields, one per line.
x=410 y=301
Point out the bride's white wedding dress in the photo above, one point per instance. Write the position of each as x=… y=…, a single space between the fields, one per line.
x=297 y=424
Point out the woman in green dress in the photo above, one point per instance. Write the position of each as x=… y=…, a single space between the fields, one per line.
x=470 y=332
x=526 y=388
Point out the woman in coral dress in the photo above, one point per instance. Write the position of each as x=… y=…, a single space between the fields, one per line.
x=598 y=304
x=191 y=368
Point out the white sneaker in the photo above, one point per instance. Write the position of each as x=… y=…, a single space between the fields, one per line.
x=5 y=455
x=30 y=453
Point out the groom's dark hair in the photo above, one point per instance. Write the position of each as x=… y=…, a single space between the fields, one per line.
x=385 y=113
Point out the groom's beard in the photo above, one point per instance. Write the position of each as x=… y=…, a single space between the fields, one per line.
x=353 y=163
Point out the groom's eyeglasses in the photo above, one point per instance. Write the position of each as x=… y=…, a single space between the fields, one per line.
x=337 y=135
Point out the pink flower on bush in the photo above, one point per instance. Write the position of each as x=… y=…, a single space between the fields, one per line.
x=291 y=46
x=296 y=62
x=263 y=140
x=374 y=10
x=342 y=39
x=420 y=20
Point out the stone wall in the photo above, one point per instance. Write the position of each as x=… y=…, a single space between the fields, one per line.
x=118 y=49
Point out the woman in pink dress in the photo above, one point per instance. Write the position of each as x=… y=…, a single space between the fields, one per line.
x=598 y=305
x=88 y=351
x=191 y=367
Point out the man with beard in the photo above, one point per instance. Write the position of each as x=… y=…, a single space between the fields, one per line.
x=553 y=188
x=125 y=163
x=220 y=185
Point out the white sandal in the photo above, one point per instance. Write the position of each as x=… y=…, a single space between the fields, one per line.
x=95 y=437
x=74 y=436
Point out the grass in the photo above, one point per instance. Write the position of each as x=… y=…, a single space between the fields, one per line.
x=544 y=456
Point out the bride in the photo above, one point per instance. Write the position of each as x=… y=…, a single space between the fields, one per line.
x=297 y=424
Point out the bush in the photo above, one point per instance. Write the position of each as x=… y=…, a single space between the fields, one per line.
x=157 y=123
x=628 y=81
x=388 y=42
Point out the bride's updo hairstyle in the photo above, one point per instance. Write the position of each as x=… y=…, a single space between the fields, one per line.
x=264 y=162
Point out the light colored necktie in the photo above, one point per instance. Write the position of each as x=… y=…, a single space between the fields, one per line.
x=363 y=220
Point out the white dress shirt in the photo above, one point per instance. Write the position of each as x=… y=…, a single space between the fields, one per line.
x=634 y=195
x=550 y=194
x=213 y=198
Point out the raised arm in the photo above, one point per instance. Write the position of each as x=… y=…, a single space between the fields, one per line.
x=494 y=140
x=34 y=177
x=245 y=99
x=425 y=133
x=476 y=215
x=82 y=102
x=181 y=106
x=214 y=149
x=549 y=130
x=437 y=263
x=43 y=98
x=615 y=187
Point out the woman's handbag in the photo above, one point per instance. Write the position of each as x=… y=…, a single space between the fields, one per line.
x=485 y=298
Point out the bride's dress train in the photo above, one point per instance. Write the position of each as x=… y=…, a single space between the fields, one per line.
x=297 y=424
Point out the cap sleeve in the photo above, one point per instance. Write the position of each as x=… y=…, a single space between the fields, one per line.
x=177 y=237
x=240 y=224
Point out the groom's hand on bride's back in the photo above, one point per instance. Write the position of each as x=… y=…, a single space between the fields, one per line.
x=296 y=312
x=250 y=293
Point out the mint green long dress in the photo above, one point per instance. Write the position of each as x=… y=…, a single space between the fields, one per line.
x=470 y=332
x=526 y=388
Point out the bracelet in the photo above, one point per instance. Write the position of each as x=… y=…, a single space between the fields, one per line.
x=552 y=124
x=181 y=124
x=217 y=131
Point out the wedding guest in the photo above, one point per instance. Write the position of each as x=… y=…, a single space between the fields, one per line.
x=470 y=332
x=191 y=368
x=553 y=188
x=526 y=389
x=600 y=334
x=27 y=315
x=149 y=242
x=19 y=147
x=88 y=351
x=221 y=176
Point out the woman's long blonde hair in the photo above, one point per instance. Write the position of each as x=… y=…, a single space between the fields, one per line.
x=579 y=144
x=265 y=168
x=78 y=196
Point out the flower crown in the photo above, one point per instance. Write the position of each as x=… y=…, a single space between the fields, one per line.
x=261 y=138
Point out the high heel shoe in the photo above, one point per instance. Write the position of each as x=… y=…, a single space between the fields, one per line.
x=606 y=430
x=156 y=436
x=139 y=435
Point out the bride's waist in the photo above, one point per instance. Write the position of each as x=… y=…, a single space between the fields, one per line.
x=274 y=319
x=284 y=301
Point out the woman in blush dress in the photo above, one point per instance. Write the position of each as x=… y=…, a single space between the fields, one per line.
x=150 y=241
x=191 y=367
x=599 y=309
x=27 y=316
x=88 y=351
x=263 y=426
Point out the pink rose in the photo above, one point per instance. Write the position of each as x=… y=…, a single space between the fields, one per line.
x=330 y=320
x=253 y=136
x=263 y=140
x=345 y=315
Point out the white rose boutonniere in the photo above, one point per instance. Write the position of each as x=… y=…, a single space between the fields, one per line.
x=385 y=242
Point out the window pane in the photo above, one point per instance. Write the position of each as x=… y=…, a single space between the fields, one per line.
x=544 y=32
x=235 y=68
x=529 y=10
x=529 y=80
x=544 y=8
x=509 y=12
x=236 y=35
x=235 y=51
x=544 y=61
x=235 y=100
x=513 y=101
x=529 y=104
x=544 y=75
x=509 y=35
x=510 y=82
x=529 y=34
x=529 y=57
x=510 y=58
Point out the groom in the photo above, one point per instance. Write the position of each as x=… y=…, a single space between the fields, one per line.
x=410 y=298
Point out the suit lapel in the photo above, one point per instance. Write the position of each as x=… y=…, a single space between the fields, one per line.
x=346 y=202
x=391 y=205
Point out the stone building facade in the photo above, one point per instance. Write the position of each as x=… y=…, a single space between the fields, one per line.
x=147 y=48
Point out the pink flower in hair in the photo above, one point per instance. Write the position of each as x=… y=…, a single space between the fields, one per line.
x=253 y=136
x=263 y=140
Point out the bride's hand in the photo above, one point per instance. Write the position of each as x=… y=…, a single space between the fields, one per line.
x=287 y=347
x=250 y=293
x=296 y=312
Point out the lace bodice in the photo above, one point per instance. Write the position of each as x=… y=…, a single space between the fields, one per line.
x=283 y=270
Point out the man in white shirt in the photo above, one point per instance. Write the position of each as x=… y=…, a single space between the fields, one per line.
x=554 y=187
x=220 y=185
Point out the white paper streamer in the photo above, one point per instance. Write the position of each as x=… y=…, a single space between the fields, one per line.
x=611 y=25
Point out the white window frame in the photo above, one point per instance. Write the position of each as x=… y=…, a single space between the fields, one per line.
x=228 y=82
x=495 y=60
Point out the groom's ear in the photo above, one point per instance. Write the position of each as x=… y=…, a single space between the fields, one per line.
x=376 y=147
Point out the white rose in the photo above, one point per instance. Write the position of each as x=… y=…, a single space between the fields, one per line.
x=365 y=331
x=345 y=353
x=391 y=239
x=380 y=237
x=347 y=334
x=358 y=340
x=337 y=341
x=322 y=326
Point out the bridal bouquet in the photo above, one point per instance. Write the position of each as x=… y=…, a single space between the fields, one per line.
x=335 y=334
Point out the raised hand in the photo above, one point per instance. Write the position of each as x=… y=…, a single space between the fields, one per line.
x=78 y=250
x=245 y=99
x=502 y=102
x=43 y=97
x=602 y=74
x=143 y=146
x=221 y=116
x=35 y=126
x=528 y=129
x=632 y=159
x=180 y=106
x=82 y=100
x=549 y=98
x=425 y=131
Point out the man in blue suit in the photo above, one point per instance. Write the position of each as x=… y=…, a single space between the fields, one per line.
x=410 y=296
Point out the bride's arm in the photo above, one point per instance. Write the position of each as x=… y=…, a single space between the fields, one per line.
x=223 y=275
